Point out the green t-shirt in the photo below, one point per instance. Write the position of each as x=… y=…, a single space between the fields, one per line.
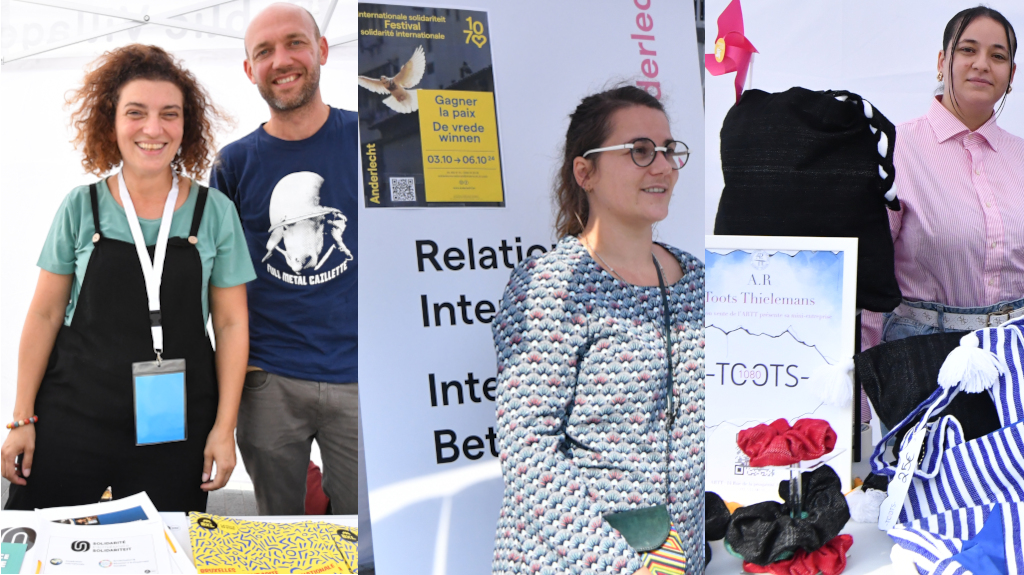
x=222 y=248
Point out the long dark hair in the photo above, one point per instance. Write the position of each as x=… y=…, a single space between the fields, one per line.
x=588 y=127
x=955 y=30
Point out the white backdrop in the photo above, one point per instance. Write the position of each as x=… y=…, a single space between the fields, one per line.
x=441 y=517
x=883 y=50
x=38 y=165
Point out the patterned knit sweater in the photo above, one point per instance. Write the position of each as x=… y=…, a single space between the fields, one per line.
x=581 y=409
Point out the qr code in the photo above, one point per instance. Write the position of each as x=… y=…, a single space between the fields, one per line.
x=403 y=189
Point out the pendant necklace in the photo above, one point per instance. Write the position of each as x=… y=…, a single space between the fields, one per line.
x=610 y=269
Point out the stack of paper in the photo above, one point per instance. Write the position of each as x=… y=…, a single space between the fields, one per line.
x=18 y=534
x=122 y=536
x=223 y=545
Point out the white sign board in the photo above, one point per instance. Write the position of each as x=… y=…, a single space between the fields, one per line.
x=776 y=308
x=430 y=278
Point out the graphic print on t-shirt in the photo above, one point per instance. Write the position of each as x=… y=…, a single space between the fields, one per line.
x=305 y=236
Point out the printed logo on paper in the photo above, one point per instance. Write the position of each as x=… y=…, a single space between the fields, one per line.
x=305 y=246
x=759 y=260
x=80 y=546
x=23 y=535
x=475 y=32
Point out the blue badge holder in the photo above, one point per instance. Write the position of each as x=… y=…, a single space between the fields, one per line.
x=159 y=396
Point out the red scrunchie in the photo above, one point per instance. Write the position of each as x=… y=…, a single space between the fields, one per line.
x=829 y=560
x=780 y=444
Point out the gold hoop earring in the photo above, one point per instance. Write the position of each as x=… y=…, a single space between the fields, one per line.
x=939 y=77
x=1009 y=89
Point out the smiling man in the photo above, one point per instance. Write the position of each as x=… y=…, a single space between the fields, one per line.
x=294 y=182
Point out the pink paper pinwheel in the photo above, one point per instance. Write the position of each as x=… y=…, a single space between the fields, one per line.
x=732 y=49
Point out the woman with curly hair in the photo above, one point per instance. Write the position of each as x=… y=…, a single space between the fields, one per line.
x=600 y=342
x=131 y=269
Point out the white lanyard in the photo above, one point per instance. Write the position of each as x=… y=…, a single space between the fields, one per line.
x=153 y=271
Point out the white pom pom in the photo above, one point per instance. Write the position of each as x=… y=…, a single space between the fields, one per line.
x=883 y=144
x=891 y=194
x=970 y=367
x=842 y=98
x=833 y=384
x=864 y=505
x=869 y=112
x=882 y=173
x=873 y=129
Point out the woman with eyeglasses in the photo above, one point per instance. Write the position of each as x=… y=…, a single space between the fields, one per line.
x=959 y=237
x=600 y=346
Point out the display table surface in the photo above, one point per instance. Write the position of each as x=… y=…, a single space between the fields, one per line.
x=177 y=522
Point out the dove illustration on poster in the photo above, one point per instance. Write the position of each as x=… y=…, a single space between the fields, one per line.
x=400 y=97
x=428 y=121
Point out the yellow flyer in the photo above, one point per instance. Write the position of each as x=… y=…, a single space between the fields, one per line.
x=347 y=540
x=428 y=123
x=221 y=545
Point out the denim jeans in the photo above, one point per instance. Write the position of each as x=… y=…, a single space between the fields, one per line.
x=895 y=327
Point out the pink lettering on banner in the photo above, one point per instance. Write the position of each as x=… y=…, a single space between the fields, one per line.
x=644 y=22
x=648 y=66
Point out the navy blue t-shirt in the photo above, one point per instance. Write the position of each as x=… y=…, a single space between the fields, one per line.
x=298 y=201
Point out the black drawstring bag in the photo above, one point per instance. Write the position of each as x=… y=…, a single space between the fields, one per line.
x=899 y=375
x=804 y=163
x=764 y=533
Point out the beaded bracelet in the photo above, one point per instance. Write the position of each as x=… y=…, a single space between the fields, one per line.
x=17 y=424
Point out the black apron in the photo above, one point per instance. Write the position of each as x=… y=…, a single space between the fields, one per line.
x=85 y=436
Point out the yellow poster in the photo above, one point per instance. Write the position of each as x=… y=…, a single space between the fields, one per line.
x=459 y=134
x=428 y=124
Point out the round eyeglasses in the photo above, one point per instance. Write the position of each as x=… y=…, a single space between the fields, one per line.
x=643 y=152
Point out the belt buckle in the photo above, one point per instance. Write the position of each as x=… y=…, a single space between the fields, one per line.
x=1006 y=311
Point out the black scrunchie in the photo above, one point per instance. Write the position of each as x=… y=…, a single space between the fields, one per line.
x=764 y=533
x=716 y=521
x=716 y=516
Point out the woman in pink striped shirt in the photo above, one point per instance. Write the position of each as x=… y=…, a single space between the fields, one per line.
x=959 y=239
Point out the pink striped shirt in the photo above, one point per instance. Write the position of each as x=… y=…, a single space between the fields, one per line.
x=959 y=238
